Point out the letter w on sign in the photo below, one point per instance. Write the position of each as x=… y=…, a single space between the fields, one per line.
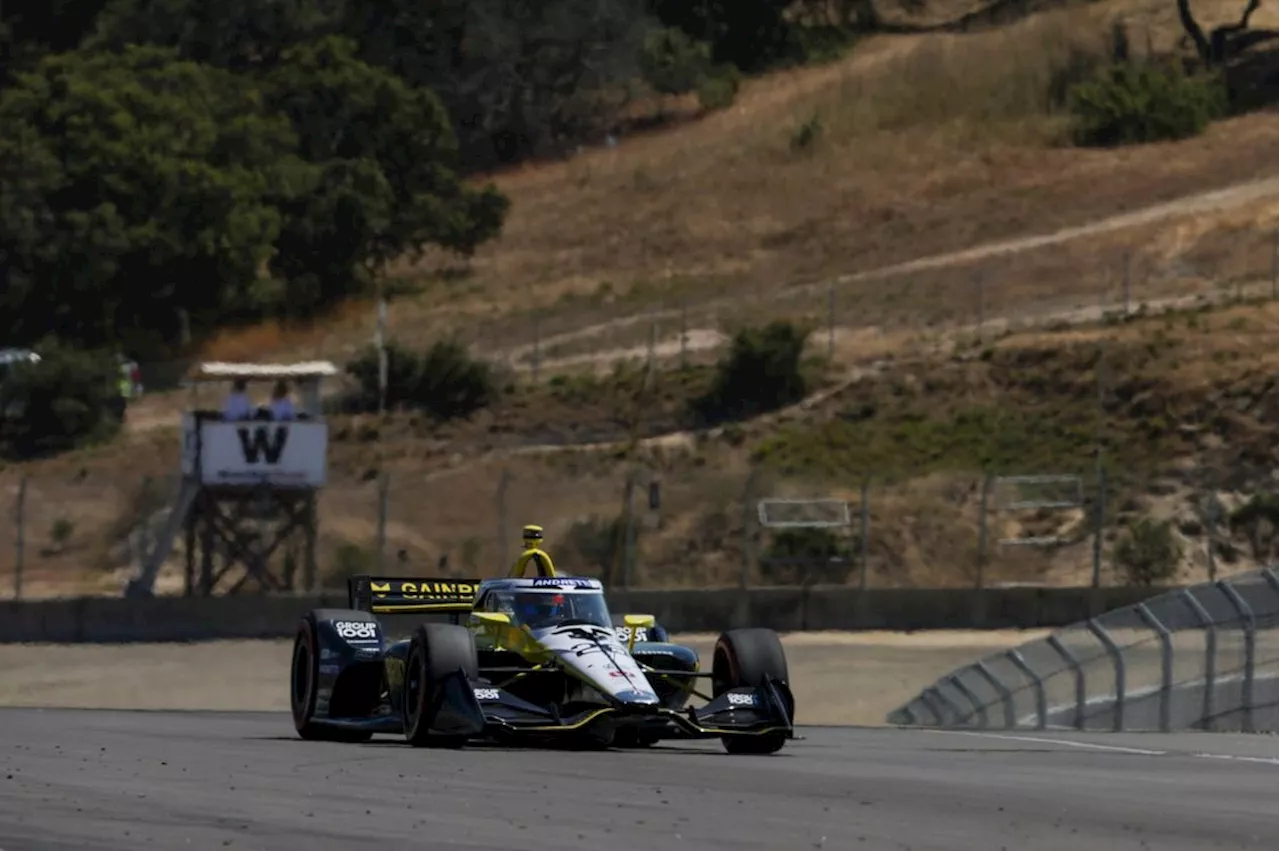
x=263 y=444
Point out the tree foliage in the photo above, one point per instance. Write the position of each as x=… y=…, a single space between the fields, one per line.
x=761 y=373
x=385 y=184
x=1136 y=102
x=445 y=381
x=69 y=398
x=132 y=185
x=176 y=165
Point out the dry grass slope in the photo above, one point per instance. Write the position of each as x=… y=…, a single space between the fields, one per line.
x=913 y=147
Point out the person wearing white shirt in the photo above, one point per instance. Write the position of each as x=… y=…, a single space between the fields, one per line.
x=237 y=405
x=281 y=404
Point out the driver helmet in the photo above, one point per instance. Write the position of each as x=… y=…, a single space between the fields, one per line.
x=536 y=608
x=531 y=535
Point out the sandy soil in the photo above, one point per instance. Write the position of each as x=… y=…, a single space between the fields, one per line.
x=839 y=678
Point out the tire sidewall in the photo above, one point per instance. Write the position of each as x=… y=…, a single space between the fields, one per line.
x=304 y=652
x=414 y=705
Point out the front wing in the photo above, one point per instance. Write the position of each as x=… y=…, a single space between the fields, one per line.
x=758 y=711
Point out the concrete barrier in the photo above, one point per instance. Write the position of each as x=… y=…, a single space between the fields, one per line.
x=109 y=619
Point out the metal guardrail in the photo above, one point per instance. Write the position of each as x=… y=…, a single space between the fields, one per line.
x=1204 y=657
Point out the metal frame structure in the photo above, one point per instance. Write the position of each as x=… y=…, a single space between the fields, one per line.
x=831 y=513
x=1022 y=504
x=236 y=533
x=1097 y=658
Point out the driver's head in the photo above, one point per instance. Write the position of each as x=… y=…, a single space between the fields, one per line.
x=536 y=608
x=532 y=536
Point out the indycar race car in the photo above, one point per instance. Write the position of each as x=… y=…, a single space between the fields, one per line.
x=527 y=659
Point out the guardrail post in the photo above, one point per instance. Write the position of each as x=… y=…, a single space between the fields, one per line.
x=1166 y=662
x=1117 y=658
x=1074 y=663
x=973 y=699
x=1250 y=639
x=1037 y=683
x=956 y=710
x=1006 y=696
x=907 y=714
x=1210 y=652
x=927 y=702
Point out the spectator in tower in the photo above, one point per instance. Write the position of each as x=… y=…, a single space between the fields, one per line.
x=281 y=403
x=237 y=405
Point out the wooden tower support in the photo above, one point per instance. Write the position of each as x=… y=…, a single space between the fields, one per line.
x=258 y=537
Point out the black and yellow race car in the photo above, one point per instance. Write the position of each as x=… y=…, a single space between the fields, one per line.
x=530 y=659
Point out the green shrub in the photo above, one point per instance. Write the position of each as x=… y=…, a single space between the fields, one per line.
x=68 y=399
x=445 y=382
x=799 y=556
x=673 y=63
x=1149 y=552
x=719 y=89
x=760 y=373
x=1136 y=102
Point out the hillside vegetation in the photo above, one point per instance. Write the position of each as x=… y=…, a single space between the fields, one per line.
x=1187 y=427
x=876 y=183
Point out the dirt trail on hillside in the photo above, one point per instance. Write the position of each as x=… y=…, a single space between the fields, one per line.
x=708 y=339
x=1227 y=198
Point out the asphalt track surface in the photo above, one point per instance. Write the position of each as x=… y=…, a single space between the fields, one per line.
x=86 y=780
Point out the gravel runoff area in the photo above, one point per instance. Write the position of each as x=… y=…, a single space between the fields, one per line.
x=838 y=677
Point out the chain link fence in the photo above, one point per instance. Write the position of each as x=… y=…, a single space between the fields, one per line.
x=680 y=524
x=1204 y=657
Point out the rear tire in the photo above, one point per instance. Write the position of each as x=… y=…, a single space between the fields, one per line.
x=745 y=657
x=435 y=651
x=304 y=681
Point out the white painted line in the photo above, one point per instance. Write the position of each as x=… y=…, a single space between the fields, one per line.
x=1044 y=741
x=1040 y=740
x=1265 y=760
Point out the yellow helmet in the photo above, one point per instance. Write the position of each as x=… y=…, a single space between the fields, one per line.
x=531 y=534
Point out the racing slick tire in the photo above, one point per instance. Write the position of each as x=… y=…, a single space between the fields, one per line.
x=435 y=651
x=304 y=679
x=744 y=657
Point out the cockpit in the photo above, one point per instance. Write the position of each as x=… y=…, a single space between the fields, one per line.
x=549 y=607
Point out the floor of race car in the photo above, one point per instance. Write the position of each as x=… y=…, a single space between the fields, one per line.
x=98 y=780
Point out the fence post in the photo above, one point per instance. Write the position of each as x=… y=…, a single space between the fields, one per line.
x=1166 y=662
x=980 y=282
x=1250 y=641
x=1117 y=660
x=501 y=497
x=628 y=533
x=864 y=524
x=537 y=345
x=19 y=516
x=1037 y=682
x=1099 y=521
x=1210 y=651
x=1061 y=649
x=384 y=497
x=1006 y=696
x=748 y=496
x=978 y=707
x=1275 y=269
x=982 y=528
x=831 y=320
x=1128 y=280
x=932 y=697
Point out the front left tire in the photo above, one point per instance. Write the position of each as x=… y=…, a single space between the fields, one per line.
x=436 y=651
x=304 y=686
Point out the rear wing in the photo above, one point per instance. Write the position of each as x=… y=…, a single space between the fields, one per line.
x=406 y=595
